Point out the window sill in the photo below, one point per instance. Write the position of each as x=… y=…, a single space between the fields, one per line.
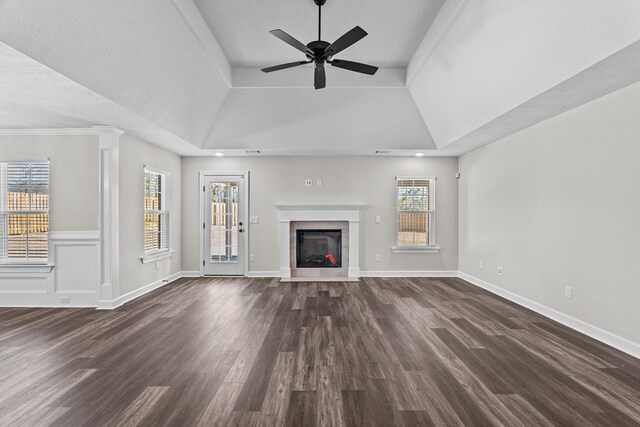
x=415 y=250
x=156 y=257
x=26 y=268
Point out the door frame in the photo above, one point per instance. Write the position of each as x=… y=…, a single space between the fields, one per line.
x=244 y=219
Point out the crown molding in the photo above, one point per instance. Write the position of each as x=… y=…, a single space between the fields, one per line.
x=108 y=129
x=52 y=131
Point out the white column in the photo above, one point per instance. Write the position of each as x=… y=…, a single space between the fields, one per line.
x=109 y=141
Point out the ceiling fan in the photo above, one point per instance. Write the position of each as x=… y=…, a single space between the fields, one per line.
x=321 y=52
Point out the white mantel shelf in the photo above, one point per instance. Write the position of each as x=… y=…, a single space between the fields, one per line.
x=287 y=207
x=320 y=212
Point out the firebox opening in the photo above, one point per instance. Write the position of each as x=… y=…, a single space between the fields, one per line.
x=319 y=248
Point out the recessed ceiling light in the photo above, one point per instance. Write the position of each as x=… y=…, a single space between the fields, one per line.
x=419 y=154
x=219 y=154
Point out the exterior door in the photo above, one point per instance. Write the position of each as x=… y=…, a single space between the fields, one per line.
x=224 y=236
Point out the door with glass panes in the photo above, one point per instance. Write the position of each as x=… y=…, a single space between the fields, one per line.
x=224 y=229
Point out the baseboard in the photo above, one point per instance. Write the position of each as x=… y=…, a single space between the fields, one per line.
x=61 y=305
x=129 y=296
x=372 y=274
x=588 y=329
x=263 y=274
x=427 y=273
x=191 y=274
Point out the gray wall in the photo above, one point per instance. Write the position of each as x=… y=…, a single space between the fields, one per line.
x=366 y=180
x=73 y=175
x=134 y=155
x=557 y=205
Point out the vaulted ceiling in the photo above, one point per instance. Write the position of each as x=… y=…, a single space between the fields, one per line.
x=184 y=74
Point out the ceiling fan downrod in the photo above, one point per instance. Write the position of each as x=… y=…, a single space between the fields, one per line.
x=320 y=3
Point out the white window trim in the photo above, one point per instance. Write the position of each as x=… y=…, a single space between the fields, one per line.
x=415 y=249
x=426 y=249
x=158 y=254
x=24 y=266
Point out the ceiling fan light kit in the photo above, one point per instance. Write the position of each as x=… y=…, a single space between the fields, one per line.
x=320 y=52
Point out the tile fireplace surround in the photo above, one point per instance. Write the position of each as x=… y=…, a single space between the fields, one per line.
x=319 y=213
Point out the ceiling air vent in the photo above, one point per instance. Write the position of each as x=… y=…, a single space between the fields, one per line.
x=382 y=151
x=253 y=151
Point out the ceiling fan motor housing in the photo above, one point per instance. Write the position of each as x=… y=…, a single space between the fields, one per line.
x=318 y=47
x=320 y=2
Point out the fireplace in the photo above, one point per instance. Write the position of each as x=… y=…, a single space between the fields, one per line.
x=318 y=248
x=345 y=218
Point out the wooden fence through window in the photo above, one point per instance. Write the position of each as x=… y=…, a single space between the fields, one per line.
x=17 y=223
x=218 y=214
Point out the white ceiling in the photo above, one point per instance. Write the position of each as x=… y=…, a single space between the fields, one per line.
x=336 y=120
x=242 y=28
x=184 y=74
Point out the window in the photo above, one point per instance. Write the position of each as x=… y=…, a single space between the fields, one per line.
x=156 y=216
x=415 y=212
x=24 y=212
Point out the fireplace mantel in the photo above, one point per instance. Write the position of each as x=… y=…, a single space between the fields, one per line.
x=319 y=212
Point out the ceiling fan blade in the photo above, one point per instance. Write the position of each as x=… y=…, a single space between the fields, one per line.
x=354 y=66
x=319 y=77
x=284 y=66
x=292 y=41
x=349 y=38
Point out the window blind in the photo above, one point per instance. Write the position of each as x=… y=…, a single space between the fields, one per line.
x=415 y=211
x=24 y=211
x=156 y=217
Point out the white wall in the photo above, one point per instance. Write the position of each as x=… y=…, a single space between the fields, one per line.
x=134 y=155
x=73 y=175
x=366 y=180
x=73 y=223
x=557 y=205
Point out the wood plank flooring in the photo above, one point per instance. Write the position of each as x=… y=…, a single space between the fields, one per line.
x=236 y=351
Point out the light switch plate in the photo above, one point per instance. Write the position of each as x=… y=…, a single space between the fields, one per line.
x=254 y=219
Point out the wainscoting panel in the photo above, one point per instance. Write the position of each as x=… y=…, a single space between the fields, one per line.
x=70 y=279
x=19 y=283
x=76 y=267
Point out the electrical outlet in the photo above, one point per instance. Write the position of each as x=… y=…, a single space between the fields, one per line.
x=65 y=300
x=377 y=219
x=318 y=183
x=308 y=182
x=481 y=265
x=500 y=271
x=378 y=258
x=568 y=291
x=251 y=258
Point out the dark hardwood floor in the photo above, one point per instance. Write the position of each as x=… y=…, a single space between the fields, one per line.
x=258 y=352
